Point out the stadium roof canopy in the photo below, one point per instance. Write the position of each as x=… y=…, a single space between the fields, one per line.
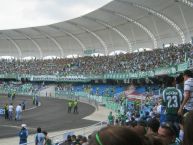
x=120 y=25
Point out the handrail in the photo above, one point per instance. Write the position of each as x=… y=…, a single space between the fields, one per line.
x=59 y=138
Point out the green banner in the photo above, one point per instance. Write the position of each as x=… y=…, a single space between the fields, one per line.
x=86 y=78
x=133 y=75
x=165 y=71
x=182 y=67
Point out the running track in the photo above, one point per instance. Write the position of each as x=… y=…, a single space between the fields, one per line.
x=50 y=116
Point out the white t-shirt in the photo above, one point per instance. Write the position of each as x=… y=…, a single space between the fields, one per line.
x=159 y=107
x=40 y=138
x=18 y=108
x=188 y=86
x=10 y=108
x=151 y=113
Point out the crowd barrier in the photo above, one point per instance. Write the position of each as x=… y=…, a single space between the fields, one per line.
x=85 y=131
x=95 y=100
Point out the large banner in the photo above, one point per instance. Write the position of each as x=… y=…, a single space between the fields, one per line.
x=133 y=75
x=59 y=79
x=165 y=71
x=88 y=52
x=182 y=67
x=44 y=78
x=144 y=74
x=9 y=76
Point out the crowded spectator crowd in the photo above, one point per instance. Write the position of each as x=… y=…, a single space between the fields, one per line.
x=18 y=87
x=146 y=123
x=160 y=122
x=130 y=62
x=136 y=132
x=133 y=128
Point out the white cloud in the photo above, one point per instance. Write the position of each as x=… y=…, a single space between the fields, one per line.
x=27 y=13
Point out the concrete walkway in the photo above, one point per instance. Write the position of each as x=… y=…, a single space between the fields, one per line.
x=99 y=115
x=49 y=91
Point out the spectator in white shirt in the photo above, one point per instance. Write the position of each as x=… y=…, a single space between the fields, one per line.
x=18 y=112
x=187 y=104
x=10 y=110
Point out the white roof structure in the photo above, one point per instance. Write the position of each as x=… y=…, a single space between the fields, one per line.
x=120 y=25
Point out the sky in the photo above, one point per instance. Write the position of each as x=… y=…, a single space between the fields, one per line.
x=29 y=13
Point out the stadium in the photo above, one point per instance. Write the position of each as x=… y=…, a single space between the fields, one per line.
x=121 y=74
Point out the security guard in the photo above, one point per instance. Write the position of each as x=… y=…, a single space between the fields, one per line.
x=70 y=103
x=6 y=111
x=75 y=105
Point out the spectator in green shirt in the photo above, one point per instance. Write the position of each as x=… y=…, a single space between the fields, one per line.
x=70 y=104
x=111 y=119
x=75 y=106
x=172 y=99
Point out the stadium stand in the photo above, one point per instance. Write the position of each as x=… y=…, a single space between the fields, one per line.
x=134 y=104
x=134 y=85
x=123 y=63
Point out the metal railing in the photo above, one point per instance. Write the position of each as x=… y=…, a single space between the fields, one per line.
x=94 y=100
x=85 y=131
